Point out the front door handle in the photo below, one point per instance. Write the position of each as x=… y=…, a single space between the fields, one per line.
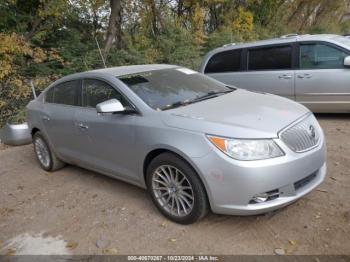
x=82 y=126
x=285 y=77
x=305 y=76
x=46 y=118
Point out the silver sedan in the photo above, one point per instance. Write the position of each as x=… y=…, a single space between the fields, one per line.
x=195 y=143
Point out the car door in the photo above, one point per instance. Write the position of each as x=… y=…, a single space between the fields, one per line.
x=106 y=141
x=61 y=104
x=322 y=81
x=270 y=70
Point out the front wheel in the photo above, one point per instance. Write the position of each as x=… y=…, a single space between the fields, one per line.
x=176 y=189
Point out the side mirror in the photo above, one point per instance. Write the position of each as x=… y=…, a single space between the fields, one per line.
x=110 y=106
x=347 y=61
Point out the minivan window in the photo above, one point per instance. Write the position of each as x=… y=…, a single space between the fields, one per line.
x=227 y=61
x=97 y=91
x=321 y=56
x=270 y=58
x=67 y=93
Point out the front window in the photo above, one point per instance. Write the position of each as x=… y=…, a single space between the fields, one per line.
x=169 y=88
x=321 y=56
x=96 y=91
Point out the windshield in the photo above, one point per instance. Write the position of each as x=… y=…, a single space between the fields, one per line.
x=168 y=88
x=343 y=40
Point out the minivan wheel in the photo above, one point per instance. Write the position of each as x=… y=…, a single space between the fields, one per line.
x=47 y=159
x=176 y=189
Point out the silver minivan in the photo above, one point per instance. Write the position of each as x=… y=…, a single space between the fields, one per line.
x=311 y=69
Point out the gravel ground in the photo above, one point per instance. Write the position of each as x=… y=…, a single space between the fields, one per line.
x=76 y=211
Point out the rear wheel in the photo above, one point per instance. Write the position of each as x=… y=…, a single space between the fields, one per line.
x=176 y=189
x=46 y=157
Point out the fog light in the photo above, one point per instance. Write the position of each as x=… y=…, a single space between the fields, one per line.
x=259 y=198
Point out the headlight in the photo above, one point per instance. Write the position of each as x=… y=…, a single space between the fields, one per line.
x=244 y=149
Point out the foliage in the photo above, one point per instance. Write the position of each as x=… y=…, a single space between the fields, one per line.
x=42 y=40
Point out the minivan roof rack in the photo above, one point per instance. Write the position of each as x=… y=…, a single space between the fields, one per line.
x=230 y=44
x=289 y=35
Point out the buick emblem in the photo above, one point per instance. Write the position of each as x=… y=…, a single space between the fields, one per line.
x=312 y=131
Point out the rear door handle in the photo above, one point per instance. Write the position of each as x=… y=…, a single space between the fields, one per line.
x=82 y=126
x=46 y=118
x=285 y=77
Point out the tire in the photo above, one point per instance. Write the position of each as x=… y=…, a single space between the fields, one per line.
x=45 y=156
x=170 y=200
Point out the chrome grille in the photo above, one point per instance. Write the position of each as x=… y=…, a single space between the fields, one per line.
x=303 y=136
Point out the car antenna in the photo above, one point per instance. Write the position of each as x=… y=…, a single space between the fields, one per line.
x=99 y=49
x=33 y=88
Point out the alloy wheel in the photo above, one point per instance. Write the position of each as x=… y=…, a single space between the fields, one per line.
x=42 y=152
x=172 y=190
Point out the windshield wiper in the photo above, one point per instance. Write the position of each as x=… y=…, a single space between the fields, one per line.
x=208 y=95
x=174 y=105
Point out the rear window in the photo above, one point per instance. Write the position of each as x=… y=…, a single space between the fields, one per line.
x=67 y=93
x=227 y=61
x=271 y=58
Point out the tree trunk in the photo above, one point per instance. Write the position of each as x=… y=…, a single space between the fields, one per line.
x=34 y=28
x=114 y=26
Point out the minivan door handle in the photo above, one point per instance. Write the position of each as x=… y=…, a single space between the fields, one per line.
x=285 y=77
x=305 y=76
x=82 y=126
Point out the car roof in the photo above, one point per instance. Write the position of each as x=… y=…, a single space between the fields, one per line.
x=285 y=39
x=132 y=69
x=115 y=71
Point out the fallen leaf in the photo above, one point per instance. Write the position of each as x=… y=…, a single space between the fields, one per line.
x=110 y=251
x=279 y=251
x=10 y=252
x=163 y=224
x=333 y=178
x=172 y=239
x=292 y=242
x=72 y=245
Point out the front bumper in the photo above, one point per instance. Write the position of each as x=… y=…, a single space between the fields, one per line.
x=231 y=184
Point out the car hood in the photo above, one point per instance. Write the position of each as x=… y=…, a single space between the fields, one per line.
x=240 y=114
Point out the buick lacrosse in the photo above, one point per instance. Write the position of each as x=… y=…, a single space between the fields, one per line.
x=195 y=143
